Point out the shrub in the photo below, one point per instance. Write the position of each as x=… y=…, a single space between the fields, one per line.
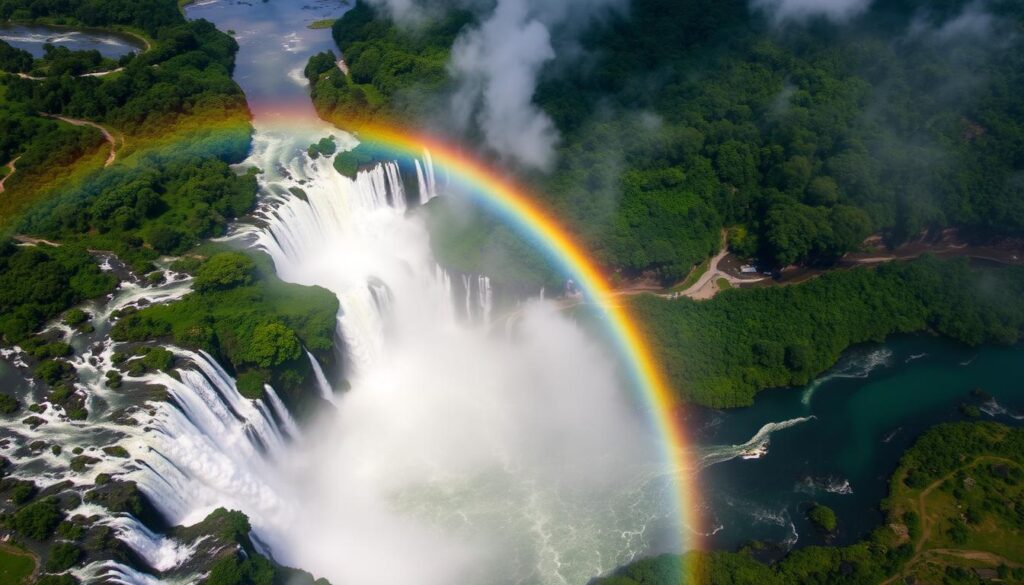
x=75 y=317
x=823 y=517
x=250 y=385
x=8 y=404
x=51 y=371
x=223 y=271
x=38 y=519
x=63 y=556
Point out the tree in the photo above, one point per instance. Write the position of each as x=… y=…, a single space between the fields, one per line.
x=823 y=517
x=271 y=344
x=223 y=271
x=38 y=519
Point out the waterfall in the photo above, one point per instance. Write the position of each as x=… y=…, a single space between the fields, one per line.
x=210 y=448
x=462 y=450
x=159 y=552
x=431 y=184
x=114 y=573
x=326 y=392
x=485 y=297
x=281 y=411
x=468 y=288
x=424 y=192
x=435 y=398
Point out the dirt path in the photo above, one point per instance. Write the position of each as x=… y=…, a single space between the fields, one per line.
x=706 y=286
x=107 y=135
x=11 y=168
x=927 y=525
x=976 y=555
x=30 y=241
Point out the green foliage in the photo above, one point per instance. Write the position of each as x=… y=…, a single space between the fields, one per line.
x=325 y=147
x=349 y=162
x=823 y=517
x=255 y=570
x=250 y=384
x=246 y=316
x=720 y=352
x=62 y=557
x=223 y=271
x=390 y=69
x=463 y=238
x=38 y=519
x=57 y=580
x=52 y=371
x=8 y=404
x=116 y=451
x=14 y=60
x=15 y=567
x=181 y=83
x=75 y=317
x=37 y=283
x=811 y=139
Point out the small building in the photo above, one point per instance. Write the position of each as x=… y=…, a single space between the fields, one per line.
x=748 y=269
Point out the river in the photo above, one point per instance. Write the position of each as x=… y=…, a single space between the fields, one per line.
x=848 y=431
x=32 y=38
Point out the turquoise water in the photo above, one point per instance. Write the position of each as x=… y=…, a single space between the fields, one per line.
x=866 y=412
x=31 y=38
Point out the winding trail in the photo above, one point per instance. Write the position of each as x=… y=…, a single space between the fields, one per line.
x=927 y=523
x=30 y=241
x=107 y=135
x=10 y=168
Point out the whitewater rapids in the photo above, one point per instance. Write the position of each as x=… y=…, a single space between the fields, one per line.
x=462 y=453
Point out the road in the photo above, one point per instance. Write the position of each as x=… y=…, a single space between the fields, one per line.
x=11 y=168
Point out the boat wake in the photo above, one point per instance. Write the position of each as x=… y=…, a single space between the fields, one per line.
x=755 y=448
x=858 y=366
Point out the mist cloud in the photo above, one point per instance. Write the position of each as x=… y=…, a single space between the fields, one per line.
x=801 y=10
x=496 y=66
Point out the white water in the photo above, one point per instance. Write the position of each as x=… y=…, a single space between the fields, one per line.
x=855 y=367
x=755 y=448
x=462 y=453
x=458 y=455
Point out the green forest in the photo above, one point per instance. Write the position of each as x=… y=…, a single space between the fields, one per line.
x=721 y=351
x=698 y=115
x=989 y=457
x=176 y=122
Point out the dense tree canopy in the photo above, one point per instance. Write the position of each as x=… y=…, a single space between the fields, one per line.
x=690 y=116
x=721 y=351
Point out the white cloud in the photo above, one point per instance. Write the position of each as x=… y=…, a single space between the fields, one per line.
x=801 y=10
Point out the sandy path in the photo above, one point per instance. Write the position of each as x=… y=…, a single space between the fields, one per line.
x=106 y=134
x=30 y=241
x=11 y=168
x=706 y=286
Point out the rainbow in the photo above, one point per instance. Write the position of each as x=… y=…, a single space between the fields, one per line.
x=525 y=213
